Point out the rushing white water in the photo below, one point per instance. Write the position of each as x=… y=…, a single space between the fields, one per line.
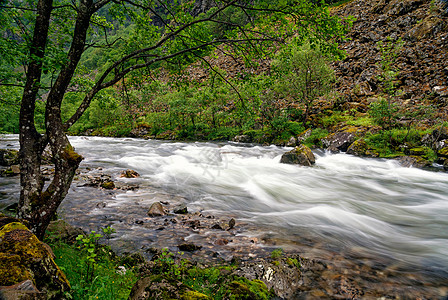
x=350 y=204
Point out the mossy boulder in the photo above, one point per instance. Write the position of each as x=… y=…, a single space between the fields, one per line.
x=243 y=288
x=443 y=152
x=9 y=157
x=361 y=148
x=23 y=257
x=108 y=185
x=413 y=161
x=419 y=151
x=301 y=155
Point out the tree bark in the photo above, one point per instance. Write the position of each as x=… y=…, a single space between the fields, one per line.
x=31 y=142
x=37 y=206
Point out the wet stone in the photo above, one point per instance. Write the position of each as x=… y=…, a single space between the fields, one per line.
x=181 y=210
x=189 y=247
x=156 y=210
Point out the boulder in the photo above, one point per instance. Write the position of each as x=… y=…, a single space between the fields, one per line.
x=181 y=210
x=339 y=141
x=108 y=185
x=23 y=257
x=242 y=139
x=443 y=152
x=9 y=157
x=301 y=155
x=360 y=148
x=60 y=229
x=292 y=142
x=283 y=275
x=129 y=174
x=156 y=210
x=413 y=161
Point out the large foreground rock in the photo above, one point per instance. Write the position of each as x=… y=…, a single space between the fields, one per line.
x=27 y=268
x=300 y=155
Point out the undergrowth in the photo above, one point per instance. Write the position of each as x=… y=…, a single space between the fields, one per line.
x=93 y=274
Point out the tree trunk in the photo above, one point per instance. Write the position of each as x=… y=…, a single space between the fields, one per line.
x=36 y=206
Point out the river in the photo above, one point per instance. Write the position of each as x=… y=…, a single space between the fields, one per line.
x=367 y=210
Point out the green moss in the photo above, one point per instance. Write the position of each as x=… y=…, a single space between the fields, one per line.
x=23 y=255
x=293 y=262
x=420 y=151
x=443 y=152
x=277 y=253
x=71 y=156
x=11 y=271
x=193 y=295
x=242 y=288
x=108 y=185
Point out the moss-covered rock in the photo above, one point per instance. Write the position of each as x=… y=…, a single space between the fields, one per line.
x=243 y=288
x=413 y=161
x=108 y=185
x=301 y=155
x=361 y=148
x=193 y=295
x=23 y=257
x=443 y=152
x=9 y=157
x=419 y=151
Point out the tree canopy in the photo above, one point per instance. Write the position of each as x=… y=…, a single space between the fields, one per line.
x=45 y=44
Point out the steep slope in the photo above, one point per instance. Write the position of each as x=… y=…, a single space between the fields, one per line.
x=422 y=63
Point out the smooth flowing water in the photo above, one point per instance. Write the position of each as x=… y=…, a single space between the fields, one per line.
x=368 y=209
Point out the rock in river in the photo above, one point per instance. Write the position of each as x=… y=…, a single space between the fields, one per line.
x=156 y=210
x=301 y=155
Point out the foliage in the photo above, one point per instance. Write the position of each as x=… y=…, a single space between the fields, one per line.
x=89 y=245
x=303 y=74
x=314 y=140
x=277 y=253
x=384 y=113
x=217 y=282
x=389 y=51
x=106 y=282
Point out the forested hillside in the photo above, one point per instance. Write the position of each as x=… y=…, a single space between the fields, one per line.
x=389 y=81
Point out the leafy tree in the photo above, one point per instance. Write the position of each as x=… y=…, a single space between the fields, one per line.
x=303 y=75
x=43 y=41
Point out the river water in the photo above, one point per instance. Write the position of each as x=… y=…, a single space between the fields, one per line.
x=371 y=210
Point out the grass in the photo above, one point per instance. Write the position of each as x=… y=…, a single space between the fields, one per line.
x=106 y=282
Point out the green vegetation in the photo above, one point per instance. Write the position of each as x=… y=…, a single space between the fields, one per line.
x=216 y=282
x=92 y=269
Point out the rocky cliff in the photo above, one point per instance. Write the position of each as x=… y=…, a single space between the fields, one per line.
x=421 y=64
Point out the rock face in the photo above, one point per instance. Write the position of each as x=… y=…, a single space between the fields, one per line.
x=25 y=261
x=422 y=63
x=301 y=155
